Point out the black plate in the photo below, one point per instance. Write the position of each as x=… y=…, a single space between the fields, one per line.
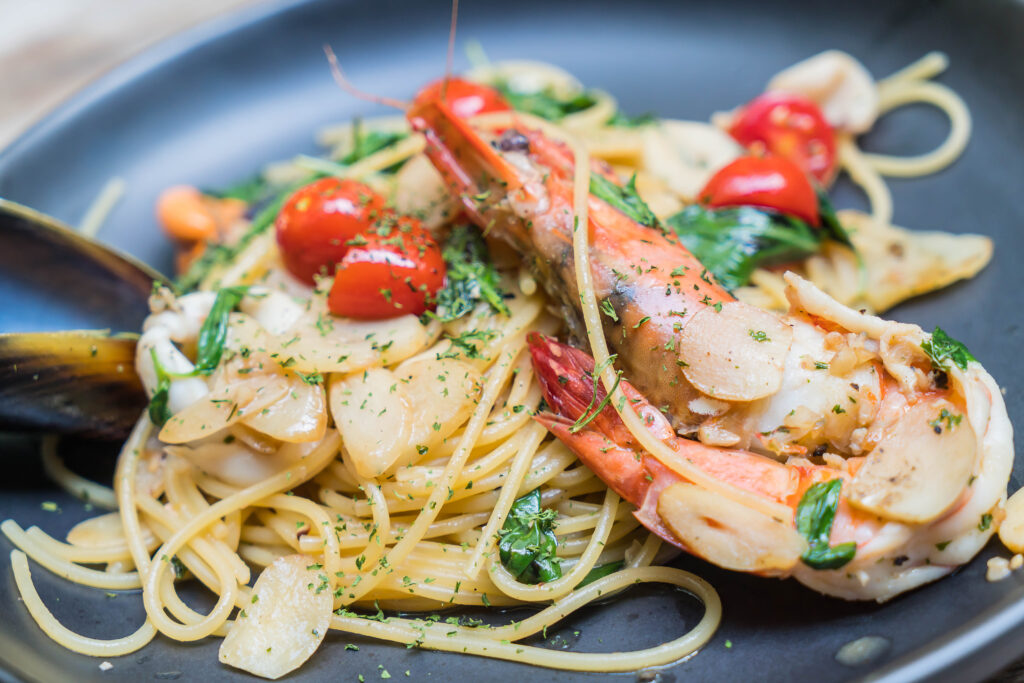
x=212 y=105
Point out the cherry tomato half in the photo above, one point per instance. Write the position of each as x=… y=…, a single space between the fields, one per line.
x=464 y=97
x=768 y=182
x=390 y=274
x=788 y=126
x=317 y=223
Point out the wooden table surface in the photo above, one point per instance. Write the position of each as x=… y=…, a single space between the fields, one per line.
x=51 y=48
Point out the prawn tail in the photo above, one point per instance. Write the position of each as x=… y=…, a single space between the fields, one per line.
x=566 y=376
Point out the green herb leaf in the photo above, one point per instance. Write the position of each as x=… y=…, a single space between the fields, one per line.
x=159 y=413
x=251 y=190
x=600 y=572
x=942 y=349
x=471 y=276
x=367 y=142
x=829 y=221
x=214 y=331
x=465 y=344
x=814 y=517
x=732 y=242
x=527 y=543
x=626 y=121
x=624 y=198
x=587 y=417
x=179 y=567
x=219 y=254
x=545 y=103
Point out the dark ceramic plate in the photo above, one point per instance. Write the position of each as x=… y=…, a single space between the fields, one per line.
x=212 y=105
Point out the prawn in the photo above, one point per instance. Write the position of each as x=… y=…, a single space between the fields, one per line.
x=882 y=466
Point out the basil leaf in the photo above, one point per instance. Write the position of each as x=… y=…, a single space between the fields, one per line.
x=368 y=142
x=527 y=544
x=814 y=517
x=544 y=103
x=471 y=276
x=600 y=572
x=214 y=331
x=624 y=198
x=626 y=121
x=942 y=349
x=251 y=191
x=159 y=413
x=732 y=242
x=830 y=221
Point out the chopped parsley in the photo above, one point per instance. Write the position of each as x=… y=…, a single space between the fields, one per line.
x=471 y=277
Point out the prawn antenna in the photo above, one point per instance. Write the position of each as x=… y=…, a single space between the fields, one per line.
x=450 y=58
x=346 y=85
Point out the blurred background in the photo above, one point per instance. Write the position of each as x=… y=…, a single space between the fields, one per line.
x=51 y=48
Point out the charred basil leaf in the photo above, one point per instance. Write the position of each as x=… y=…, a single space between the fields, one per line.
x=471 y=276
x=942 y=349
x=214 y=331
x=624 y=198
x=814 y=517
x=527 y=543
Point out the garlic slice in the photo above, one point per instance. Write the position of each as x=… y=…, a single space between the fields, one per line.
x=286 y=621
x=920 y=466
x=728 y=534
x=735 y=354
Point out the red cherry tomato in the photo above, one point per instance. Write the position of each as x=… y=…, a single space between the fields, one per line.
x=464 y=97
x=767 y=182
x=788 y=126
x=317 y=223
x=389 y=274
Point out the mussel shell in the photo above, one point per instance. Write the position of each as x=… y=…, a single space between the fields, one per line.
x=80 y=383
x=53 y=278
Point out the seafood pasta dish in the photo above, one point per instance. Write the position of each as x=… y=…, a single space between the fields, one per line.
x=516 y=346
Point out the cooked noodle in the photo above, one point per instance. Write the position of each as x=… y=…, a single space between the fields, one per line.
x=421 y=536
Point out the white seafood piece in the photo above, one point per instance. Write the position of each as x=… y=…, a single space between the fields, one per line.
x=183 y=391
x=839 y=84
x=183 y=321
x=946 y=525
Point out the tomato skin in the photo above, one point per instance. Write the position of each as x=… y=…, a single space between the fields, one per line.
x=319 y=220
x=465 y=98
x=767 y=182
x=788 y=126
x=390 y=274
